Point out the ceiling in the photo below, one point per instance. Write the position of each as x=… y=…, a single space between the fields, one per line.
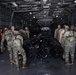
x=32 y=5
x=40 y=9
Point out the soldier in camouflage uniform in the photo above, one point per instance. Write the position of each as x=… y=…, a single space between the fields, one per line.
x=17 y=49
x=69 y=46
x=63 y=34
x=8 y=35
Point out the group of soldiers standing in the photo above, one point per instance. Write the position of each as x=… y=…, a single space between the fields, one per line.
x=15 y=46
x=67 y=38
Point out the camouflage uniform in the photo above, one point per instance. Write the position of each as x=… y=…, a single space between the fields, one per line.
x=69 y=46
x=63 y=34
x=63 y=41
x=17 y=48
x=8 y=35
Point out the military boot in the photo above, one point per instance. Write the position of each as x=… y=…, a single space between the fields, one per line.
x=24 y=66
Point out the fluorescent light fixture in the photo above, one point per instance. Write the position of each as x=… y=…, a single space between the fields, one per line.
x=34 y=17
x=30 y=13
x=56 y=15
x=44 y=1
x=15 y=4
x=74 y=1
x=59 y=3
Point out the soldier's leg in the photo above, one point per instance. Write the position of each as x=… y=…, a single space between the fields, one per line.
x=66 y=54
x=16 y=58
x=72 y=51
x=10 y=53
x=24 y=58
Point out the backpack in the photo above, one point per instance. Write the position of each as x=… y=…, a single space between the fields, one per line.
x=18 y=40
x=8 y=35
x=71 y=37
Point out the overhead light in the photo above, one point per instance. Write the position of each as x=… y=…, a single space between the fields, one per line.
x=59 y=3
x=75 y=1
x=15 y=4
x=34 y=17
x=56 y=15
x=44 y=1
x=30 y=13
